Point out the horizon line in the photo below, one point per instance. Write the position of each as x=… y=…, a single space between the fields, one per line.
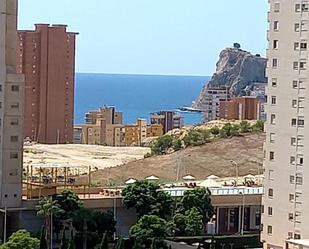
x=147 y=74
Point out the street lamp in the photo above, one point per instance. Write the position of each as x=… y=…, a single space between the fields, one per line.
x=236 y=170
x=242 y=214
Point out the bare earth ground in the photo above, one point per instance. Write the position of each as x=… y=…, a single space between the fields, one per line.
x=213 y=158
x=80 y=155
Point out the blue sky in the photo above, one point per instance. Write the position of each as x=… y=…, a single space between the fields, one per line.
x=180 y=37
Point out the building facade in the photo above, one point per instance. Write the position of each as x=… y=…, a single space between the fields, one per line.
x=11 y=109
x=46 y=56
x=241 y=108
x=211 y=102
x=168 y=119
x=286 y=198
x=99 y=126
x=104 y=127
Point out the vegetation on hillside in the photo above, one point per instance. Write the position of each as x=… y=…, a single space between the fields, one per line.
x=200 y=136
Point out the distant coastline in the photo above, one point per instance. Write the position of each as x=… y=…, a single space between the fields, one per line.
x=136 y=95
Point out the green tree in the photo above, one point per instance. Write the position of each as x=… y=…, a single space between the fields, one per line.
x=200 y=200
x=258 y=126
x=146 y=198
x=82 y=220
x=120 y=243
x=149 y=227
x=104 y=242
x=48 y=208
x=188 y=224
x=69 y=202
x=43 y=242
x=215 y=131
x=177 y=145
x=245 y=127
x=21 y=240
x=162 y=144
x=235 y=130
x=196 y=137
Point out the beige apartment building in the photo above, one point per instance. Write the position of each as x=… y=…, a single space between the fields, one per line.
x=11 y=109
x=102 y=130
x=286 y=198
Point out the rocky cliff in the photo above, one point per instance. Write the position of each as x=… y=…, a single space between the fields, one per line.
x=236 y=70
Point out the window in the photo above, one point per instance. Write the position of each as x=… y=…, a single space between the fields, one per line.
x=292 y=160
x=297 y=7
x=296 y=45
x=14 y=121
x=14 y=139
x=304 y=7
x=301 y=102
x=293 y=122
x=299 y=180
x=273 y=100
x=295 y=65
x=293 y=141
x=292 y=179
x=15 y=105
x=302 y=84
x=294 y=103
x=271 y=155
x=274 y=82
x=295 y=84
x=13 y=155
x=272 y=137
x=276 y=7
x=275 y=63
x=297 y=236
x=270 y=192
x=302 y=65
x=273 y=119
x=296 y=27
x=300 y=160
x=269 y=229
x=270 y=175
x=303 y=46
x=290 y=235
x=15 y=88
x=304 y=25
x=291 y=217
x=291 y=197
x=300 y=141
x=275 y=44
x=276 y=25
x=270 y=211
x=301 y=122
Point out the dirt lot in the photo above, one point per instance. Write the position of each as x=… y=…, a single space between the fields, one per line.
x=80 y=155
x=213 y=158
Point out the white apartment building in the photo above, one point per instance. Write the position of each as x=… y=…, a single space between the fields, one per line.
x=211 y=102
x=11 y=107
x=286 y=198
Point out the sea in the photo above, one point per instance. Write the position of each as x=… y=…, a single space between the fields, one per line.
x=137 y=95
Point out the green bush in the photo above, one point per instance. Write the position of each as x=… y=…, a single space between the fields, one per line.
x=162 y=144
x=215 y=131
x=196 y=137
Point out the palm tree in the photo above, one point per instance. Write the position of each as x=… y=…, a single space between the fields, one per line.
x=82 y=220
x=47 y=208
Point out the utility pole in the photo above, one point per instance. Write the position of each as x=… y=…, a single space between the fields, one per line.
x=236 y=170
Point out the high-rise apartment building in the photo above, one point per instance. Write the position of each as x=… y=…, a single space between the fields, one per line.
x=46 y=56
x=211 y=102
x=168 y=119
x=286 y=198
x=11 y=109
